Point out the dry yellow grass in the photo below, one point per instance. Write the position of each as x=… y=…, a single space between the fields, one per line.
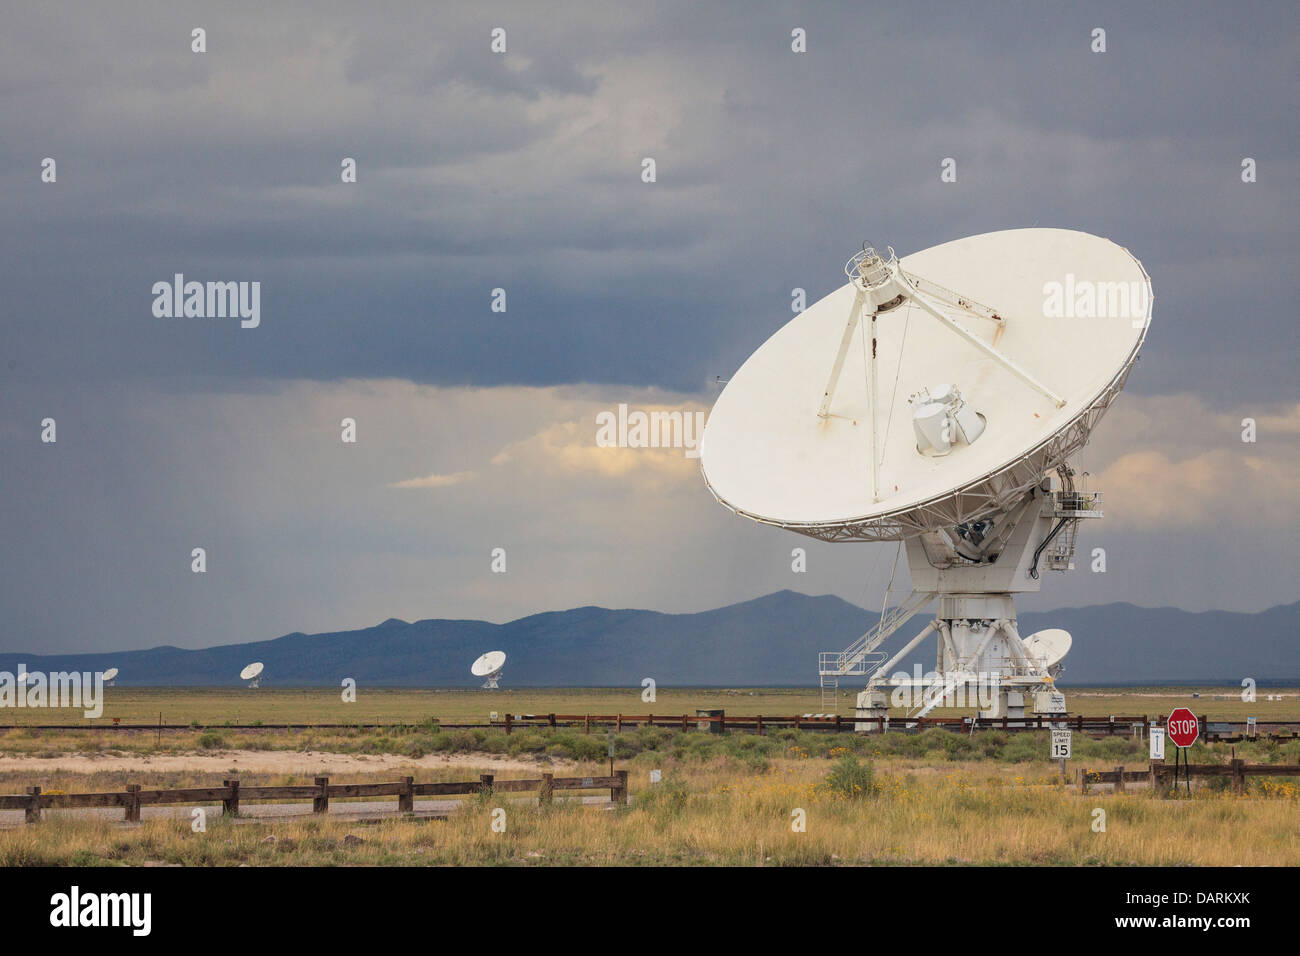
x=717 y=813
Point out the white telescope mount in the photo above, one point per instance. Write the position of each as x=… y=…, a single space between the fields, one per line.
x=973 y=570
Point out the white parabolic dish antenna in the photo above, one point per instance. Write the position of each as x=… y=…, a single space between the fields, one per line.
x=1048 y=647
x=253 y=673
x=110 y=674
x=489 y=665
x=768 y=455
x=936 y=400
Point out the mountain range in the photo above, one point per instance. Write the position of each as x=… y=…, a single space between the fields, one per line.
x=769 y=641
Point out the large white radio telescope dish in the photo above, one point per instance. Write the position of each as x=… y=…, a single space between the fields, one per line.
x=767 y=454
x=936 y=400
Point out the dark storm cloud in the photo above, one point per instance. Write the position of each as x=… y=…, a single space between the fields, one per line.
x=522 y=171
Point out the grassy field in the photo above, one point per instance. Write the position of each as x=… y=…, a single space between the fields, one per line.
x=220 y=705
x=931 y=798
x=723 y=811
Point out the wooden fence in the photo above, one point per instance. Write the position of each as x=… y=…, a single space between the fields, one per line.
x=230 y=793
x=1112 y=725
x=1160 y=775
x=836 y=723
x=1211 y=731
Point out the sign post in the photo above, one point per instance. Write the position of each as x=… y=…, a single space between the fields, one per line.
x=1183 y=729
x=1061 y=750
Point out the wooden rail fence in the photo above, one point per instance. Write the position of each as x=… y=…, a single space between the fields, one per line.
x=319 y=792
x=1114 y=725
x=1161 y=775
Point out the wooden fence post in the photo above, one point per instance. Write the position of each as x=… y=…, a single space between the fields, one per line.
x=508 y=722
x=1081 y=776
x=1119 y=779
x=550 y=719
x=230 y=805
x=619 y=793
x=485 y=782
x=586 y=723
x=1157 y=777
x=321 y=802
x=132 y=803
x=547 y=790
x=33 y=812
x=406 y=799
x=1238 y=775
x=618 y=724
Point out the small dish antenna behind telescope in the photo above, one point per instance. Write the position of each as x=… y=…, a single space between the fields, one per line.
x=1048 y=648
x=253 y=674
x=489 y=666
x=110 y=677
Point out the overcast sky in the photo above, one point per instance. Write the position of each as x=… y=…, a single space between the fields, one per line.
x=523 y=171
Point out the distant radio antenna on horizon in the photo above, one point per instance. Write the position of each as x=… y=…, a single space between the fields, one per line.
x=489 y=666
x=253 y=674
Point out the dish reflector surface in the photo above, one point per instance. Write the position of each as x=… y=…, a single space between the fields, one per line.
x=766 y=453
x=251 y=671
x=1048 y=647
x=489 y=663
x=110 y=673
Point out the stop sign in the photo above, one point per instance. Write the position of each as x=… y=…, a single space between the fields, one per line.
x=1183 y=727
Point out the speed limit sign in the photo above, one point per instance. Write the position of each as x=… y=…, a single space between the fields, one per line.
x=1061 y=744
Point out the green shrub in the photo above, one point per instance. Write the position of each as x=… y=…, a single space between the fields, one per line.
x=211 y=741
x=458 y=741
x=527 y=742
x=755 y=761
x=667 y=798
x=851 y=778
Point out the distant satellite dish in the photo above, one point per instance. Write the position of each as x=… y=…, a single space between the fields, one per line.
x=110 y=675
x=1048 y=647
x=489 y=666
x=253 y=674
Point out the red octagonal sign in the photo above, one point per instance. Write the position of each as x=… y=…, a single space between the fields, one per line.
x=1183 y=727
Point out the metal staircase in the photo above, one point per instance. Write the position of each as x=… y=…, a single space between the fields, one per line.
x=933 y=697
x=861 y=658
